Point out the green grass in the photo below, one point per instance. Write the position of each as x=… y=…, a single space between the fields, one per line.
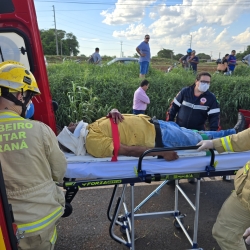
x=88 y=92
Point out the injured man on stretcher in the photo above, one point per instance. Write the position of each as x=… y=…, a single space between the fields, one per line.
x=137 y=133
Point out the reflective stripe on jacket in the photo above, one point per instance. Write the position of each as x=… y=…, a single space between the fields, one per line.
x=192 y=112
x=32 y=162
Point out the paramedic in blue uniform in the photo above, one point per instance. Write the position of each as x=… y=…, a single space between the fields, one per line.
x=194 y=105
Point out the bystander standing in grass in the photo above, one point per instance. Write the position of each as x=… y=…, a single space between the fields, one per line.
x=193 y=60
x=232 y=62
x=141 y=100
x=144 y=51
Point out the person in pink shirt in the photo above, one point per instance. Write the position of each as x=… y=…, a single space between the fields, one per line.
x=141 y=99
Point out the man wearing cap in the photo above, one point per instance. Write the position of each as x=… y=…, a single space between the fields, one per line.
x=193 y=60
x=184 y=60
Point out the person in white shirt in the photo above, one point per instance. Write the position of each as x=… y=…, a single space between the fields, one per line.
x=96 y=56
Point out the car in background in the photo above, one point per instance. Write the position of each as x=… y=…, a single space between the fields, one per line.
x=123 y=60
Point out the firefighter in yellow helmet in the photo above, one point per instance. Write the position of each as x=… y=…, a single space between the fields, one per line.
x=31 y=160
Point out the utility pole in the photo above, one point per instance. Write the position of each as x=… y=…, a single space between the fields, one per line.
x=211 y=55
x=190 y=41
x=55 y=30
x=61 y=47
x=121 y=50
x=219 y=54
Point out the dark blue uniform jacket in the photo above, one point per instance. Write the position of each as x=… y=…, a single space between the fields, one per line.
x=192 y=112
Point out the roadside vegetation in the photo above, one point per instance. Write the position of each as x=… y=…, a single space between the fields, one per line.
x=88 y=92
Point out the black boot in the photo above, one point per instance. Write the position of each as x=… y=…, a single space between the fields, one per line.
x=241 y=123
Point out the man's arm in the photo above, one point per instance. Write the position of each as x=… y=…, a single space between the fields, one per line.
x=230 y=59
x=174 y=107
x=181 y=59
x=190 y=59
x=115 y=115
x=56 y=158
x=214 y=116
x=237 y=142
x=98 y=59
x=144 y=98
x=137 y=151
x=138 y=49
x=194 y=60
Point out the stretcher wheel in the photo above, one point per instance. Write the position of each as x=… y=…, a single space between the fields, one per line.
x=176 y=223
x=123 y=230
x=67 y=210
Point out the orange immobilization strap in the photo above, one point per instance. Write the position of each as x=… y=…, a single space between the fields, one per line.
x=116 y=139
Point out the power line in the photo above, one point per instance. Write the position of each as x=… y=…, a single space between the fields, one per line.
x=135 y=3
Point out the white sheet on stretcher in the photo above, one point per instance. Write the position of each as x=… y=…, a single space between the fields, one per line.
x=88 y=167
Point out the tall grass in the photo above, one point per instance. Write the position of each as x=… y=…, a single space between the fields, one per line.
x=88 y=92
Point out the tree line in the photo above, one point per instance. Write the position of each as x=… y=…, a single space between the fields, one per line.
x=67 y=42
x=69 y=46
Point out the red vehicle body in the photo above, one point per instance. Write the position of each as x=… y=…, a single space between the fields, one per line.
x=20 y=41
x=19 y=17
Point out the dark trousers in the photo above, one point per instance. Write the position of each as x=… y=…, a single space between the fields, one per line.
x=137 y=112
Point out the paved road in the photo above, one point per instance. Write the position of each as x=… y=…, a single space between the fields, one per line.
x=87 y=227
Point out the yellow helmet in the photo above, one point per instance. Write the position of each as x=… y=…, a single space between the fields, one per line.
x=16 y=78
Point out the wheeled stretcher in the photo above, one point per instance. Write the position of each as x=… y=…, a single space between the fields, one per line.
x=129 y=170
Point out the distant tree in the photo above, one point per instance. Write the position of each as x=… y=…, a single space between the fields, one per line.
x=165 y=53
x=72 y=44
x=240 y=55
x=67 y=42
x=178 y=56
x=136 y=55
x=203 y=56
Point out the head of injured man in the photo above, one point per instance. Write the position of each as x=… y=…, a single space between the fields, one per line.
x=73 y=137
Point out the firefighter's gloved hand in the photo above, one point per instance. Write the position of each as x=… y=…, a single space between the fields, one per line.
x=205 y=145
x=115 y=115
x=247 y=236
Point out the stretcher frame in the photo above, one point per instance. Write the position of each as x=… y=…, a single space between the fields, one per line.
x=126 y=221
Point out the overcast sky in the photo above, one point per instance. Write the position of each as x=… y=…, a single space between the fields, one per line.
x=213 y=26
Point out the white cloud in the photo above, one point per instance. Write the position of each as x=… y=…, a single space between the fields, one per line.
x=126 y=12
x=243 y=38
x=172 y=26
x=133 y=32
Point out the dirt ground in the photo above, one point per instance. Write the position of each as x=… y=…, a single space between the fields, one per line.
x=88 y=226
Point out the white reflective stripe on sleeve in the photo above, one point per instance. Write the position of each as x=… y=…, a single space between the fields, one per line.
x=213 y=111
x=190 y=105
x=176 y=102
x=226 y=143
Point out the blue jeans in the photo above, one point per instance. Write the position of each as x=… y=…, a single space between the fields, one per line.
x=137 y=112
x=175 y=136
